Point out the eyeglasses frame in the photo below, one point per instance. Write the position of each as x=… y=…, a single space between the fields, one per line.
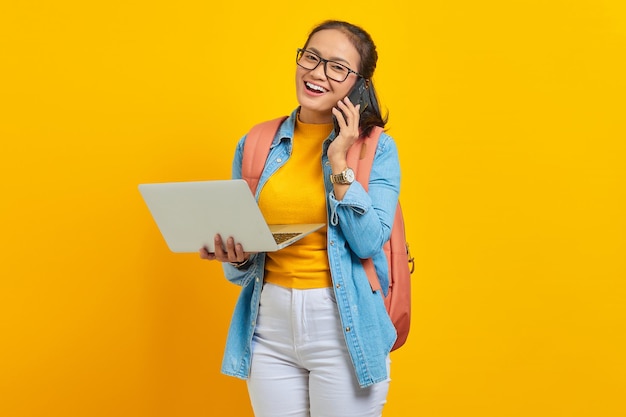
x=325 y=61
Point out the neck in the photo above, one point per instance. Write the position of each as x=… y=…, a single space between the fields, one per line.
x=313 y=117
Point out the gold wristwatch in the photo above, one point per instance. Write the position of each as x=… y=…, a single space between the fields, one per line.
x=344 y=177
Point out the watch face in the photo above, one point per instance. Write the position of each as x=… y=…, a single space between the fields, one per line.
x=349 y=173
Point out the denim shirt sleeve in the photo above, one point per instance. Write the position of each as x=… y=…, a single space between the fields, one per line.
x=366 y=217
x=244 y=276
x=240 y=276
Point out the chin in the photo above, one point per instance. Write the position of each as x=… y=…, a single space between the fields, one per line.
x=306 y=105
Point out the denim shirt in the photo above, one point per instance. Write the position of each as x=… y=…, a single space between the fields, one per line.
x=358 y=226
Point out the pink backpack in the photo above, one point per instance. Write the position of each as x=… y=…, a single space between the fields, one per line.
x=360 y=159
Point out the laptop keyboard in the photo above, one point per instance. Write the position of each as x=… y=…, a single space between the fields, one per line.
x=281 y=237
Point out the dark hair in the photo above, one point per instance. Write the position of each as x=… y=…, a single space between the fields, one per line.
x=366 y=48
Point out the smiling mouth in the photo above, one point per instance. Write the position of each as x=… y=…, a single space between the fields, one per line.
x=315 y=88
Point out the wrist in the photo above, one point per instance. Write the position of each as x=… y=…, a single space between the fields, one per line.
x=338 y=158
x=344 y=177
x=338 y=165
x=241 y=264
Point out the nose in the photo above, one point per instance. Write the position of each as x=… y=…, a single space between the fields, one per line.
x=319 y=72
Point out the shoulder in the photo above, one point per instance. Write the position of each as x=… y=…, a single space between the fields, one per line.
x=386 y=142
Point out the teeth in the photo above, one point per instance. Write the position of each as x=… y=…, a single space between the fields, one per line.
x=316 y=87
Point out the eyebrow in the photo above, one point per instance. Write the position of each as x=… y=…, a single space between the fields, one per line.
x=336 y=59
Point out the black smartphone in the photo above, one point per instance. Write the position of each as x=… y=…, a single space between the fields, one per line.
x=358 y=95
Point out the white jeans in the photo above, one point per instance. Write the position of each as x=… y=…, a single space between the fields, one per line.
x=300 y=362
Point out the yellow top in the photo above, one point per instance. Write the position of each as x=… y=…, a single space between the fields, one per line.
x=295 y=194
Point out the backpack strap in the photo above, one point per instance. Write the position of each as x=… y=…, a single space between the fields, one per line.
x=361 y=158
x=256 y=149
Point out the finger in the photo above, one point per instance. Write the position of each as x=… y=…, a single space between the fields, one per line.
x=356 y=118
x=341 y=120
x=220 y=254
x=350 y=111
x=345 y=105
x=241 y=255
x=347 y=102
x=230 y=249
x=205 y=254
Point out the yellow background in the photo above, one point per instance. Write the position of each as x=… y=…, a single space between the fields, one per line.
x=509 y=116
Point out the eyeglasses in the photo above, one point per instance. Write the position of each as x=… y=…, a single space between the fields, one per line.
x=335 y=71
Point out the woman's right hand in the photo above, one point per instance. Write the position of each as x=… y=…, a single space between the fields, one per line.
x=230 y=252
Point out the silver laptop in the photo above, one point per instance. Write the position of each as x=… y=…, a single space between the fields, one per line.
x=190 y=214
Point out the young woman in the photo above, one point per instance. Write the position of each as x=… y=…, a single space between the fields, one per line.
x=308 y=334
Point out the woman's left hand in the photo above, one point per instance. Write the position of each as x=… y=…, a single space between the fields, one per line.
x=348 y=120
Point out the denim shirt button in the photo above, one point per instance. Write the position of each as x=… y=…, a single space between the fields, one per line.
x=279 y=160
x=338 y=285
x=347 y=329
